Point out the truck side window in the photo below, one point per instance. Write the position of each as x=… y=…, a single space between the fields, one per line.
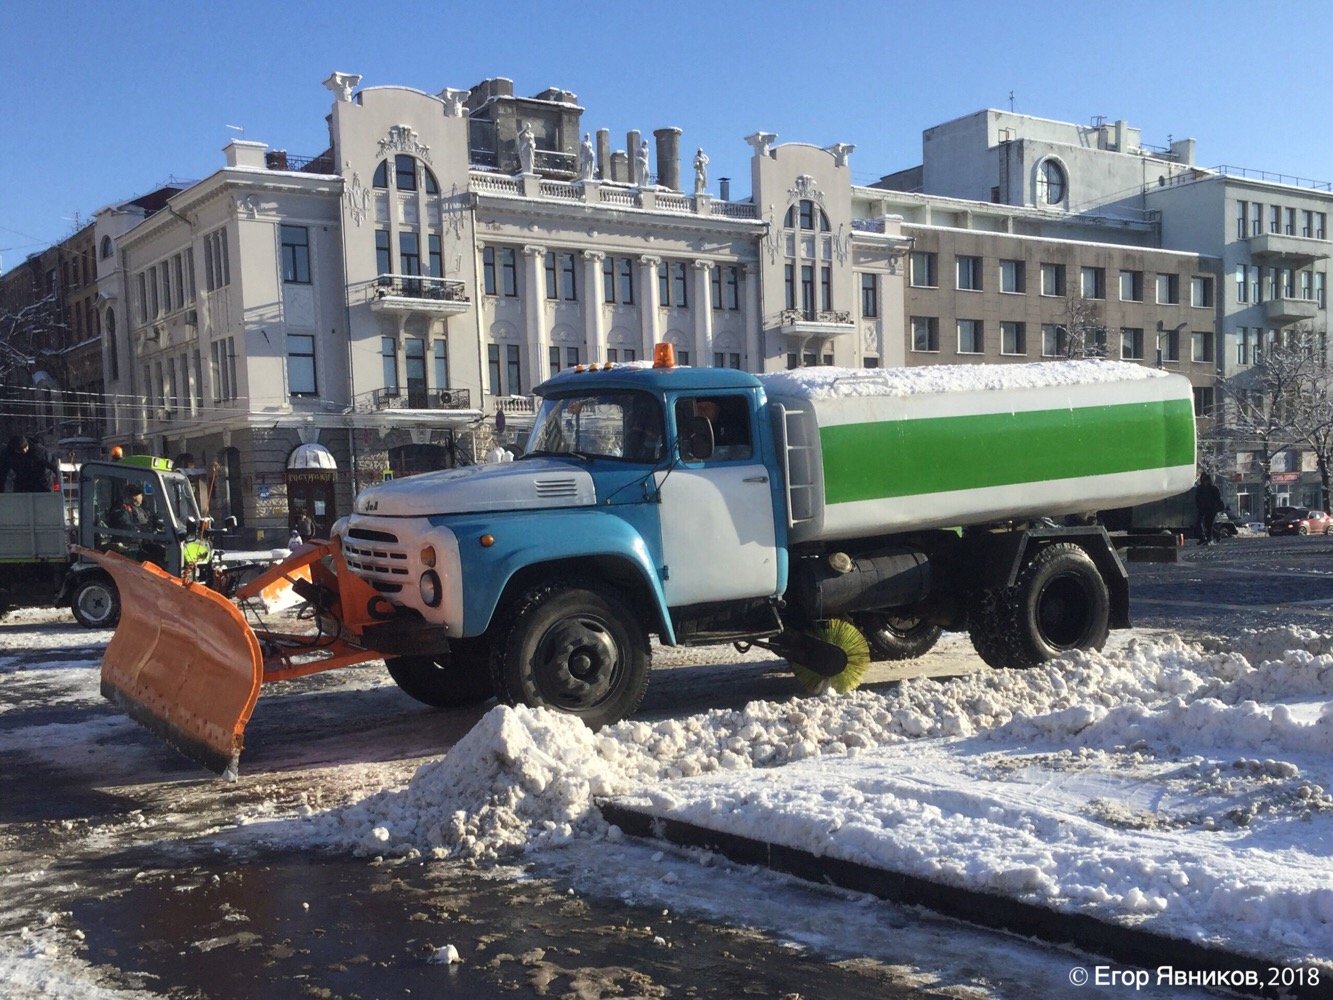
x=730 y=420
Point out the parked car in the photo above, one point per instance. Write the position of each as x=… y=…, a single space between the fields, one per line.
x=1300 y=521
x=1225 y=526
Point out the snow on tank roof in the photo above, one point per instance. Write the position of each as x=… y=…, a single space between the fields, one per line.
x=828 y=382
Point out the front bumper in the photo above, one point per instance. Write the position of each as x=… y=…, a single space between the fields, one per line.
x=394 y=554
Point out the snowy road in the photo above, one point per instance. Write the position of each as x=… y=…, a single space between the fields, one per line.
x=124 y=869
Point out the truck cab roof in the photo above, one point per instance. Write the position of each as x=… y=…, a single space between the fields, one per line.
x=641 y=375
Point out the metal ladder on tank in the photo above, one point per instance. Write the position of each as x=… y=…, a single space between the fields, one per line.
x=797 y=456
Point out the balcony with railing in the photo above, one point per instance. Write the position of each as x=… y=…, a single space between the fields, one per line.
x=817 y=323
x=412 y=398
x=418 y=293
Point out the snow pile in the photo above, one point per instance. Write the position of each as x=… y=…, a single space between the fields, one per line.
x=823 y=382
x=1168 y=782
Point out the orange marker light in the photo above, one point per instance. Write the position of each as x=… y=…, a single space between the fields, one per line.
x=664 y=356
x=428 y=555
x=487 y=541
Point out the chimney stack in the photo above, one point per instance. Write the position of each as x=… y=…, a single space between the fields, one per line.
x=632 y=141
x=604 y=154
x=668 y=157
x=724 y=188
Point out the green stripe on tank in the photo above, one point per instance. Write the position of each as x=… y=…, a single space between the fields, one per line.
x=898 y=458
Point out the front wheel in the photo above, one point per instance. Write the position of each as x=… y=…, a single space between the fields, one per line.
x=459 y=678
x=575 y=649
x=96 y=603
x=898 y=637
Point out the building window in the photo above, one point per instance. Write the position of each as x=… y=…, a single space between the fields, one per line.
x=1052 y=279
x=1203 y=400
x=383 y=258
x=1093 y=281
x=1013 y=338
x=434 y=258
x=1131 y=343
x=723 y=359
x=216 y=266
x=1131 y=286
x=1013 y=277
x=925 y=333
x=1054 y=341
x=389 y=365
x=1168 y=289
x=405 y=172
x=295 y=255
x=488 y=270
x=971 y=336
x=1201 y=290
x=673 y=284
x=923 y=273
x=301 y=364
x=869 y=295
x=731 y=287
x=1051 y=186
x=112 y=352
x=969 y=273
x=441 y=364
x=618 y=280
x=1242 y=285
x=1290 y=216
x=107 y=247
x=570 y=356
x=808 y=215
x=513 y=374
x=560 y=270
x=1201 y=347
x=222 y=369
x=1169 y=344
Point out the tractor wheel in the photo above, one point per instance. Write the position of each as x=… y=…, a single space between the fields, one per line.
x=96 y=603
x=898 y=637
x=575 y=649
x=458 y=678
x=1059 y=602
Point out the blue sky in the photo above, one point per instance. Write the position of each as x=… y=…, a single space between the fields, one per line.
x=107 y=100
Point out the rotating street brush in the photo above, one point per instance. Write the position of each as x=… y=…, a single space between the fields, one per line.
x=849 y=639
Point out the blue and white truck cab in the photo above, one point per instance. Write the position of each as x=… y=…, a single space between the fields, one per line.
x=705 y=505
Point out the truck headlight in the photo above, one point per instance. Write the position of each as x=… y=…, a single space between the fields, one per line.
x=431 y=592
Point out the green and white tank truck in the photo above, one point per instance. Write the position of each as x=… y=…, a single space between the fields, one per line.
x=796 y=510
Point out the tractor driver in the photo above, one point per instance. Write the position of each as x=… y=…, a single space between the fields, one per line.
x=132 y=516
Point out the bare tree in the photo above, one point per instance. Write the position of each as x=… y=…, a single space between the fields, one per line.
x=1313 y=417
x=24 y=333
x=1085 y=333
x=1265 y=406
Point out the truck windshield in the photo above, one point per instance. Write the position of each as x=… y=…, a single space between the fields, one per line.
x=181 y=498
x=622 y=425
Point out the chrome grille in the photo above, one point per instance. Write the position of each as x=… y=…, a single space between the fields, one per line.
x=379 y=559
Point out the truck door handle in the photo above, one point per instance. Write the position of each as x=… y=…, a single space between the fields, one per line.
x=755 y=479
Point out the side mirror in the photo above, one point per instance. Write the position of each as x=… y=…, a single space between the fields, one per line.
x=697 y=439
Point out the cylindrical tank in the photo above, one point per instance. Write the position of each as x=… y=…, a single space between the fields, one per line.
x=888 y=579
x=873 y=452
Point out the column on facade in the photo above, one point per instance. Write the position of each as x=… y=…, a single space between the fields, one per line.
x=648 y=313
x=534 y=333
x=703 y=314
x=594 y=318
x=754 y=321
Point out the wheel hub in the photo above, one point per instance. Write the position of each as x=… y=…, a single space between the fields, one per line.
x=576 y=661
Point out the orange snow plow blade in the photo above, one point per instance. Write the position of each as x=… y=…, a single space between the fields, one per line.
x=186 y=663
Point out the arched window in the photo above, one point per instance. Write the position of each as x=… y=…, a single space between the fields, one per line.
x=810 y=217
x=408 y=175
x=808 y=272
x=107 y=247
x=1051 y=183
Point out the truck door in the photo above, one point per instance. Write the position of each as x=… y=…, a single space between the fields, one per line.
x=718 y=533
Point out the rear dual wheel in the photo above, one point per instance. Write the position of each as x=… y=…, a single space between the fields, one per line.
x=1059 y=602
x=897 y=637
